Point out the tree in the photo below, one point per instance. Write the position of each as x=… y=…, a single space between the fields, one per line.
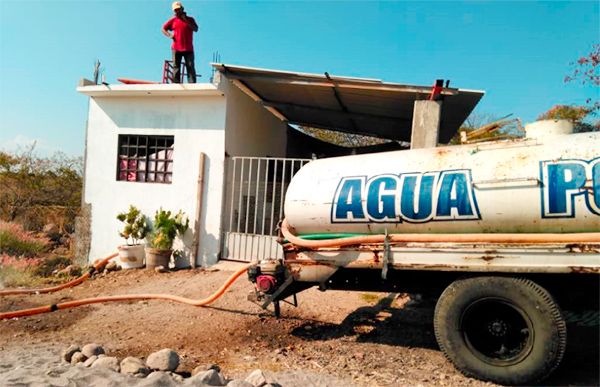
x=32 y=185
x=575 y=114
x=348 y=140
x=585 y=69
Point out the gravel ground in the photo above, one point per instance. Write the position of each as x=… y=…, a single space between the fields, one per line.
x=367 y=339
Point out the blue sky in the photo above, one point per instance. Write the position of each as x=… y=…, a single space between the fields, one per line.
x=518 y=52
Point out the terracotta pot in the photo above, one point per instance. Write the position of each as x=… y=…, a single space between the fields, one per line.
x=131 y=256
x=157 y=257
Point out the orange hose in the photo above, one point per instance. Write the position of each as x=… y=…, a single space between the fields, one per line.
x=589 y=237
x=127 y=297
x=97 y=267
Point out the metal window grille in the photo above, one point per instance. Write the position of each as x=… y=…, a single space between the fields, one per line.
x=146 y=159
x=255 y=195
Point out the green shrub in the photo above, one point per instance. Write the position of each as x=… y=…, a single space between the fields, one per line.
x=135 y=226
x=166 y=228
x=11 y=277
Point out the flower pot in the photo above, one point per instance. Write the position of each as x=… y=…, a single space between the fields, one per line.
x=157 y=257
x=131 y=256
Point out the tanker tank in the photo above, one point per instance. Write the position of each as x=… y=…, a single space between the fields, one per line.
x=547 y=184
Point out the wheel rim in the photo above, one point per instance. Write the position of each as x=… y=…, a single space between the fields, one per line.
x=497 y=331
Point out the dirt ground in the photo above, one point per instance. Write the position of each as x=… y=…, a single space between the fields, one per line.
x=370 y=338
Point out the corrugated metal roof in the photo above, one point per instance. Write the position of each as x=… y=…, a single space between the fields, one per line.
x=356 y=105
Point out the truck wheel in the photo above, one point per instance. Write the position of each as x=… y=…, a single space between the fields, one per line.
x=501 y=329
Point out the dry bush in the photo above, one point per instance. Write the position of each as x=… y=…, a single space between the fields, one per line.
x=15 y=241
x=37 y=190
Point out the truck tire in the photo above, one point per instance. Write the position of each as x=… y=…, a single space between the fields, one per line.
x=501 y=329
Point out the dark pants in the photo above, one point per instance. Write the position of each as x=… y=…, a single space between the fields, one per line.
x=189 y=66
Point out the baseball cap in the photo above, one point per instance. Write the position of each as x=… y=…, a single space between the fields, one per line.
x=176 y=4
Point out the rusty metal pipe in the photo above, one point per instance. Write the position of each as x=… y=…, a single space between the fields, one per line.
x=585 y=237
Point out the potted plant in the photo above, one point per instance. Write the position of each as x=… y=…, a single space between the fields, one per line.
x=134 y=230
x=166 y=228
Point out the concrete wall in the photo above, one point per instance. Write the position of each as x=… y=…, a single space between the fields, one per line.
x=197 y=124
x=426 y=124
x=251 y=129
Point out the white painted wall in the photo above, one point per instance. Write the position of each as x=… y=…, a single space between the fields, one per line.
x=197 y=123
x=251 y=129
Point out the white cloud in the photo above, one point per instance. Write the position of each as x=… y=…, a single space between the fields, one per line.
x=20 y=143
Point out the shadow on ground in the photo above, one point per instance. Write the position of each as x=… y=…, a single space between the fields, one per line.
x=412 y=326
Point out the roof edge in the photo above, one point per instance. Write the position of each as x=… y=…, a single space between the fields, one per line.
x=158 y=89
x=224 y=68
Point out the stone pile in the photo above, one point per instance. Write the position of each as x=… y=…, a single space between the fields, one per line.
x=160 y=368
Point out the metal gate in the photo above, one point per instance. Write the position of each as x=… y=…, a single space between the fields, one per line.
x=254 y=196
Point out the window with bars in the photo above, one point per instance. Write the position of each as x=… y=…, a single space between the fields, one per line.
x=145 y=158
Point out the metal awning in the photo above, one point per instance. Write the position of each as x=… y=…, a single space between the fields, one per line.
x=354 y=105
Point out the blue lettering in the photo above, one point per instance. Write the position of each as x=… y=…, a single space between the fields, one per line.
x=414 y=197
x=417 y=207
x=596 y=187
x=382 y=206
x=454 y=193
x=564 y=181
x=349 y=200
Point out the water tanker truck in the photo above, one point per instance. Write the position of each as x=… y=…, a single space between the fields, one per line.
x=505 y=234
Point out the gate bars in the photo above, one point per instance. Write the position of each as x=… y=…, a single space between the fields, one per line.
x=255 y=194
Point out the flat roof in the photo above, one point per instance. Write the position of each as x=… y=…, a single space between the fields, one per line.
x=354 y=105
x=153 y=89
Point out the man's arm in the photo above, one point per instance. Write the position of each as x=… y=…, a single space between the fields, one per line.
x=167 y=34
x=166 y=28
x=190 y=22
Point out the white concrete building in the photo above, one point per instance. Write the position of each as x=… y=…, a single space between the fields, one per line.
x=144 y=143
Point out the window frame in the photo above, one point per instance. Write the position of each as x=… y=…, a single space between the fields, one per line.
x=152 y=145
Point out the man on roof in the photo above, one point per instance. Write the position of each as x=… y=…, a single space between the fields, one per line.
x=183 y=28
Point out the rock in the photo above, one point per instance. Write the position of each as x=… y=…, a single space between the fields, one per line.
x=133 y=365
x=90 y=361
x=210 y=378
x=239 y=383
x=71 y=270
x=65 y=241
x=55 y=372
x=161 y=269
x=109 y=362
x=163 y=360
x=51 y=229
x=92 y=349
x=257 y=378
x=176 y=377
x=158 y=378
x=78 y=357
x=111 y=266
x=62 y=251
x=205 y=367
x=68 y=353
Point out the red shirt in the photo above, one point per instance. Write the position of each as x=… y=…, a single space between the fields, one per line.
x=183 y=35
